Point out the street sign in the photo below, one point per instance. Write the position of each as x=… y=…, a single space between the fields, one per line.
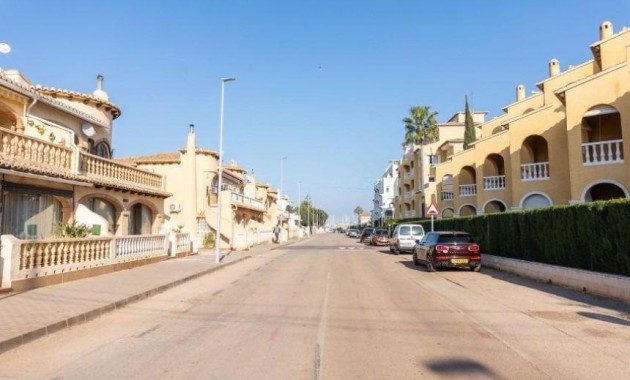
x=432 y=211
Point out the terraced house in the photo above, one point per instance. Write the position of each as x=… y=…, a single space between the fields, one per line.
x=564 y=144
x=56 y=166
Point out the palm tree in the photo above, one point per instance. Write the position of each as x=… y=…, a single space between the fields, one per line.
x=358 y=210
x=420 y=126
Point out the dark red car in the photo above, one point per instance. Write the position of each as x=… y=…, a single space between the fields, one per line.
x=447 y=249
x=379 y=237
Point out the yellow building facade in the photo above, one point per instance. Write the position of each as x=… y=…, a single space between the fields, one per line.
x=564 y=144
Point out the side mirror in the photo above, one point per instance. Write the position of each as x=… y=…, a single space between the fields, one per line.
x=418 y=242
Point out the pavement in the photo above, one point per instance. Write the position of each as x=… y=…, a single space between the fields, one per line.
x=33 y=314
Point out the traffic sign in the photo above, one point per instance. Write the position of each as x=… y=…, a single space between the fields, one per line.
x=432 y=210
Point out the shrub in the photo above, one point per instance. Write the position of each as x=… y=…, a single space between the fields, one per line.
x=71 y=229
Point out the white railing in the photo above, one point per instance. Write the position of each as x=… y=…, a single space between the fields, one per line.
x=409 y=214
x=603 y=152
x=265 y=236
x=535 y=172
x=496 y=182
x=408 y=194
x=408 y=175
x=137 y=247
x=248 y=202
x=467 y=190
x=24 y=259
x=181 y=244
x=447 y=195
x=111 y=171
x=23 y=151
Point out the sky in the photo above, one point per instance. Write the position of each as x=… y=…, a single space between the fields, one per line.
x=324 y=83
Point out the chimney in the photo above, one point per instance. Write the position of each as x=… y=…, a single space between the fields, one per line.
x=605 y=30
x=554 y=67
x=191 y=144
x=520 y=92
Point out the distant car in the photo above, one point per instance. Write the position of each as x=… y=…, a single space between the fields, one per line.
x=404 y=238
x=448 y=249
x=353 y=232
x=365 y=235
x=379 y=237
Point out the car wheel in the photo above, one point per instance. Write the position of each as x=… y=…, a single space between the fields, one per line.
x=430 y=267
x=476 y=268
x=391 y=250
x=396 y=250
x=415 y=259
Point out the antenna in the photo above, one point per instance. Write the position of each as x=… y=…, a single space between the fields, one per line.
x=5 y=48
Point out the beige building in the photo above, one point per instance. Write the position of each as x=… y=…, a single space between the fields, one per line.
x=564 y=144
x=416 y=183
x=249 y=210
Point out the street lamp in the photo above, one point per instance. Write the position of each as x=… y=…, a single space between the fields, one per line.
x=220 y=182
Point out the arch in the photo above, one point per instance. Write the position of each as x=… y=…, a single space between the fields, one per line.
x=101 y=212
x=494 y=165
x=448 y=212
x=604 y=193
x=466 y=210
x=447 y=179
x=535 y=199
x=467 y=175
x=534 y=149
x=601 y=123
x=102 y=149
x=141 y=219
x=8 y=119
x=494 y=205
x=498 y=129
x=115 y=202
x=150 y=205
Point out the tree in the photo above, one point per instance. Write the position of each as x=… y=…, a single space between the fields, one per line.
x=421 y=126
x=358 y=210
x=469 y=130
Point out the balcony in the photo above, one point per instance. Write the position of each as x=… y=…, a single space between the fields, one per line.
x=29 y=154
x=408 y=194
x=241 y=200
x=468 y=190
x=537 y=171
x=447 y=196
x=496 y=182
x=602 y=153
x=409 y=214
x=408 y=175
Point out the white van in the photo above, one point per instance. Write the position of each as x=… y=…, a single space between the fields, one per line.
x=404 y=238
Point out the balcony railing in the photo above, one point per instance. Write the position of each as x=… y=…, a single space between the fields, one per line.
x=22 y=151
x=467 y=190
x=447 y=195
x=129 y=248
x=408 y=175
x=535 y=172
x=408 y=194
x=496 y=182
x=251 y=203
x=95 y=167
x=603 y=152
x=409 y=214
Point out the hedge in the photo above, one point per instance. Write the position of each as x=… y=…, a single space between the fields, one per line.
x=593 y=236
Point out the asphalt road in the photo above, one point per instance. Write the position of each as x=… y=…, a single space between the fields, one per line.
x=330 y=308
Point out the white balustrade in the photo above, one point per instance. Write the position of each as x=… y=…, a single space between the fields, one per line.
x=409 y=214
x=468 y=190
x=603 y=152
x=242 y=200
x=408 y=194
x=408 y=175
x=26 y=152
x=496 y=182
x=137 y=247
x=535 y=172
x=116 y=173
x=447 y=195
x=182 y=243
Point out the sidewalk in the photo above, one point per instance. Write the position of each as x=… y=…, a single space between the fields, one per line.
x=26 y=316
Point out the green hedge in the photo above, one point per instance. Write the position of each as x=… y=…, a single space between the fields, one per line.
x=593 y=236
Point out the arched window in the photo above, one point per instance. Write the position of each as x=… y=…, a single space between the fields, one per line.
x=105 y=210
x=103 y=150
x=140 y=220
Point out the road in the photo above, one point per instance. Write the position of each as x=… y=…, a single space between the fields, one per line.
x=330 y=308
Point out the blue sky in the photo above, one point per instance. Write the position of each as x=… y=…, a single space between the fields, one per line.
x=322 y=82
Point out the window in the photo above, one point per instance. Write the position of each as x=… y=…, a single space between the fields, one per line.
x=431 y=178
x=30 y=216
x=456 y=239
x=434 y=159
x=417 y=230
x=404 y=230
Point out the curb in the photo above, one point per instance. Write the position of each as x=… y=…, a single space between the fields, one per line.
x=41 y=332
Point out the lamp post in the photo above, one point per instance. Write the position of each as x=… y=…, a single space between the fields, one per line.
x=283 y=206
x=299 y=205
x=220 y=182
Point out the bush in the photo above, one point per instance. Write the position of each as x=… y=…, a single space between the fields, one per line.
x=71 y=230
x=208 y=240
x=592 y=236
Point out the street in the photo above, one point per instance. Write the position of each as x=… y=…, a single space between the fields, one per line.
x=331 y=308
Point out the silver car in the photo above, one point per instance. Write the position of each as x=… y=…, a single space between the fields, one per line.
x=404 y=238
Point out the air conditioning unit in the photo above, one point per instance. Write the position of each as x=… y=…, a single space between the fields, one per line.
x=175 y=207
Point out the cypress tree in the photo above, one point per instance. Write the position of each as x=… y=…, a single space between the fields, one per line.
x=469 y=132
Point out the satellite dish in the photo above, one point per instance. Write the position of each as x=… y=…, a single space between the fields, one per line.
x=88 y=129
x=5 y=48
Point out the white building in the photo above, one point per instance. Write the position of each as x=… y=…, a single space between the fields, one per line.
x=385 y=190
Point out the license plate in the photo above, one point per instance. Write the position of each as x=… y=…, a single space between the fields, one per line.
x=459 y=261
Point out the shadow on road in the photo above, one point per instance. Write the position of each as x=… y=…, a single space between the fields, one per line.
x=605 y=318
x=459 y=367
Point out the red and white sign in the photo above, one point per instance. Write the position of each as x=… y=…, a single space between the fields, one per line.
x=432 y=211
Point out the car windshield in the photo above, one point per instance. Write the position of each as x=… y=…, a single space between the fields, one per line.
x=456 y=239
x=381 y=233
x=404 y=230
x=416 y=230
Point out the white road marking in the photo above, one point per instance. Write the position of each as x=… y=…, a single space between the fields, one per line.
x=321 y=334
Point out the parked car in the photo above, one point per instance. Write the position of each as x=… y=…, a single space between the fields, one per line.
x=404 y=238
x=379 y=237
x=353 y=232
x=447 y=249
x=365 y=235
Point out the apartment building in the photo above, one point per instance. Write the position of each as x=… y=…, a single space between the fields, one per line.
x=416 y=182
x=385 y=189
x=563 y=144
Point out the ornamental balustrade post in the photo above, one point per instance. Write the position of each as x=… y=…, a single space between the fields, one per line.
x=10 y=259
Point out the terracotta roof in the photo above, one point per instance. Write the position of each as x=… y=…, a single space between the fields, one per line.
x=202 y=151
x=158 y=158
x=71 y=95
